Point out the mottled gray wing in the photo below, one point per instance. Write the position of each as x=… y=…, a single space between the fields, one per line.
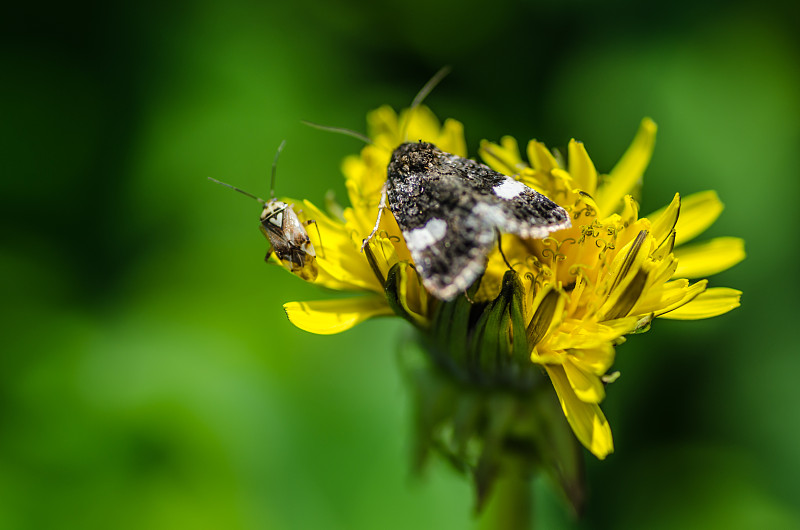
x=450 y=209
x=509 y=204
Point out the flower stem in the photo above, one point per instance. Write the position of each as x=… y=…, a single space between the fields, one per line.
x=510 y=504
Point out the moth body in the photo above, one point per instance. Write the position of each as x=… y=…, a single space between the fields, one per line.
x=450 y=210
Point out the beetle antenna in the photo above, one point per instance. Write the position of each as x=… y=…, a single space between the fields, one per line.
x=234 y=188
x=275 y=169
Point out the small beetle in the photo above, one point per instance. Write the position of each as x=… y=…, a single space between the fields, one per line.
x=285 y=232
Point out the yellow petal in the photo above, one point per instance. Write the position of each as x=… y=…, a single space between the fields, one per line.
x=420 y=123
x=540 y=157
x=383 y=255
x=680 y=296
x=627 y=174
x=577 y=334
x=503 y=158
x=661 y=296
x=586 y=419
x=451 y=138
x=366 y=174
x=665 y=248
x=326 y=317
x=547 y=308
x=710 y=257
x=665 y=269
x=383 y=122
x=713 y=302
x=387 y=246
x=334 y=276
x=595 y=360
x=698 y=212
x=665 y=222
x=630 y=210
x=341 y=265
x=562 y=178
x=536 y=180
x=586 y=385
x=627 y=277
x=574 y=302
x=581 y=167
x=416 y=297
x=626 y=296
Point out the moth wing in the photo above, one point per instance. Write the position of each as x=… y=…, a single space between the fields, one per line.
x=528 y=213
x=450 y=250
x=450 y=208
x=510 y=205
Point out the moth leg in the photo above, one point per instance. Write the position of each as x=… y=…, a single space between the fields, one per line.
x=319 y=235
x=466 y=295
x=270 y=250
x=381 y=207
x=500 y=248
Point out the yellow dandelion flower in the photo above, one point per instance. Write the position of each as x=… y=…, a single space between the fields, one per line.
x=569 y=299
x=612 y=272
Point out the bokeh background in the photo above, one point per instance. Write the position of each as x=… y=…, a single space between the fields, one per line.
x=148 y=375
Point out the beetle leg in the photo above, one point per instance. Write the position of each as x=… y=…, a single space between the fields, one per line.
x=319 y=235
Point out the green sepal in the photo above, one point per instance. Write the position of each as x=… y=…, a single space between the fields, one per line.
x=500 y=412
x=395 y=293
x=542 y=318
x=520 y=349
x=435 y=397
x=450 y=325
x=485 y=342
x=500 y=341
x=467 y=421
x=557 y=450
x=479 y=400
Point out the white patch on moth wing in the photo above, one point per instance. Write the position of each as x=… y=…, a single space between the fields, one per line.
x=509 y=188
x=469 y=272
x=460 y=283
x=422 y=238
x=490 y=215
x=542 y=231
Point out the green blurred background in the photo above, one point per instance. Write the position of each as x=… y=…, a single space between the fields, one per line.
x=149 y=377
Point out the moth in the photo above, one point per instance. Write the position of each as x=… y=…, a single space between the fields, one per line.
x=285 y=232
x=451 y=209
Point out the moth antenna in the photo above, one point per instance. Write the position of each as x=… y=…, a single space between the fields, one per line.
x=430 y=85
x=338 y=130
x=234 y=188
x=422 y=94
x=275 y=169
